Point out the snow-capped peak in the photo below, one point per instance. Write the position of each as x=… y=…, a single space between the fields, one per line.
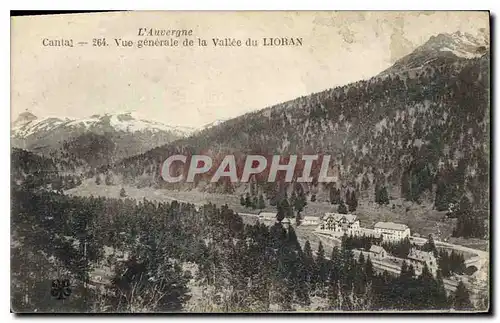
x=24 y=118
x=213 y=124
x=442 y=46
x=460 y=44
x=133 y=122
x=28 y=124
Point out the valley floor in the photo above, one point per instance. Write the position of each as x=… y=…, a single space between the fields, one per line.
x=421 y=219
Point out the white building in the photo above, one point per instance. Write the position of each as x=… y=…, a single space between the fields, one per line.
x=268 y=216
x=310 y=220
x=340 y=223
x=391 y=231
x=377 y=252
x=418 y=259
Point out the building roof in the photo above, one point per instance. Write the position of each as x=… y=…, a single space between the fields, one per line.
x=310 y=218
x=376 y=249
x=391 y=226
x=420 y=255
x=268 y=214
x=337 y=217
x=285 y=220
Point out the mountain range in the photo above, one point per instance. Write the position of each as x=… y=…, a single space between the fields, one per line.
x=129 y=134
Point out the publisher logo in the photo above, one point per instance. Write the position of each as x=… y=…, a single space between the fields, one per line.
x=60 y=288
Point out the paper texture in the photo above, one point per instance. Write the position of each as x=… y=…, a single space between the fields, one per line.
x=382 y=120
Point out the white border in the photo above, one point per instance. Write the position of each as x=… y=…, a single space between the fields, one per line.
x=199 y=5
x=256 y=5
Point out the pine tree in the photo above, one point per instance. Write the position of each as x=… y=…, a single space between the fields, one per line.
x=248 y=201
x=301 y=285
x=292 y=240
x=384 y=196
x=405 y=185
x=411 y=271
x=369 y=268
x=285 y=279
x=381 y=195
x=361 y=260
x=335 y=258
x=360 y=278
x=293 y=198
x=415 y=188
x=428 y=286
x=342 y=209
x=441 y=300
x=123 y=193
x=347 y=272
x=461 y=298
x=98 y=179
x=468 y=225
x=242 y=200
x=321 y=266
x=336 y=196
x=254 y=202
x=430 y=246
x=440 y=200
x=300 y=202
x=309 y=264
x=281 y=212
x=365 y=184
x=261 y=203
x=253 y=187
x=444 y=263
x=298 y=219
x=287 y=208
x=109 y=179
x=352 y=201
x=407 y=273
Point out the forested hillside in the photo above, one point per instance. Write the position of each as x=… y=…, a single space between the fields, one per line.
x=422 y=130
x=236 y=267
x=36 y=172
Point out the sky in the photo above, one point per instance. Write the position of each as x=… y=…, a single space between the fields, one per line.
x=194 y=86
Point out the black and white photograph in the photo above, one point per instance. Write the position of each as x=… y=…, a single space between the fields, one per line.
x=250 y=162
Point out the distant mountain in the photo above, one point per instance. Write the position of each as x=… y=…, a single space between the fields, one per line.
x=421 y=128
x=131 y=135
x=24 y=118
x=212 y=124
x=441 y=49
